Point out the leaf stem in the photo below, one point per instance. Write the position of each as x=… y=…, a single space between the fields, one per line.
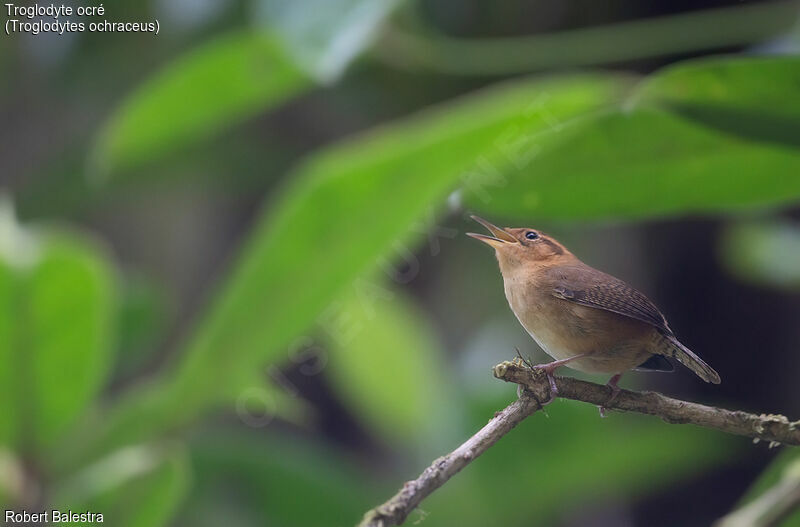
x=612 y=43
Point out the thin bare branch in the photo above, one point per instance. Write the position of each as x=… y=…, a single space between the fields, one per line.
x=395 y=511
x=765 y=427
x=772 y=428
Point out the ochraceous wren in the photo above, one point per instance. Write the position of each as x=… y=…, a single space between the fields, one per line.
x=581 y=316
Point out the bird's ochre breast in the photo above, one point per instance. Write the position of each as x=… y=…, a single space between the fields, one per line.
x=613 y=343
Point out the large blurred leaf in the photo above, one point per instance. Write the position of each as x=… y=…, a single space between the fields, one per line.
x=757 y=98
x=9 y=392
x=344 y=210
x=750 y=251
x=707 y=136
x=143 y=315
x=55 y=338
x=643 y=163
x=291 y=482
x=134 y=487
x=348 y=207
x=323 y=36
x=388 y=365
x=196 y=97
x=68 y=323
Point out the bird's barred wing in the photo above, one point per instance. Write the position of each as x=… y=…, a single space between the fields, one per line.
x=605 y=292
x=592 y=288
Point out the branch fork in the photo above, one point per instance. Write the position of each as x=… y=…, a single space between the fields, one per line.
x=776 y=429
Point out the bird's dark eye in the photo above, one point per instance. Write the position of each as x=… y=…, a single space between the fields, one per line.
x=531 y=235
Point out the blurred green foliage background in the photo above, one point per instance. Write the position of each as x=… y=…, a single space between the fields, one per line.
x=234 y=286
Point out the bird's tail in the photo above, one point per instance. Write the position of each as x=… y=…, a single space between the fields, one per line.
x=669 y=346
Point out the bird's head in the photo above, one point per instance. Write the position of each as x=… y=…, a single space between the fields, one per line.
x=515 y=247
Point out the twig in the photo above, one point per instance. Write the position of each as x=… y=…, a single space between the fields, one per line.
x=772 y=428
x=395 y=511
x=764 y=427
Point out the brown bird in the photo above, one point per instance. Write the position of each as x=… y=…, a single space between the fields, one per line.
x=581 y=316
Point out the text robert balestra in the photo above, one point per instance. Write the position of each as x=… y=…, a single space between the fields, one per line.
x=52 y=516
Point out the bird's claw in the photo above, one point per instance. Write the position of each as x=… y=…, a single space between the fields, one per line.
x=548 y=370
x=527 y=362
x=614 y=393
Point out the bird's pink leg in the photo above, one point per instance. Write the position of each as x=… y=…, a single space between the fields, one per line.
x=549 y=368
x=612 y=383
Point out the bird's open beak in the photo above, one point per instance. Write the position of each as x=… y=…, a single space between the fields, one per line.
x=500 y=238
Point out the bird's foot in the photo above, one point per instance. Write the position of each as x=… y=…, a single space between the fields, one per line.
x=612 y=383
x=526 y=361
x=549 y=369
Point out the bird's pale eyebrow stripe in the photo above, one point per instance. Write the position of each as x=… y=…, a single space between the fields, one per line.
x=556 y=248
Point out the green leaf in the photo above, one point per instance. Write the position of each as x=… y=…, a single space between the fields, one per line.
x=9 y=407
x=324 y=36
x=135 y=487
x=273 y=480
x=68 y=322
x=748 y=250
x=288 y=274
x=706 y=136
x=56 y=335
x=386 y=363
x=196 y=97
x=370 y=197
x=753 y=97
x=155 y=407
x=642 y=163
x=143 y=315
